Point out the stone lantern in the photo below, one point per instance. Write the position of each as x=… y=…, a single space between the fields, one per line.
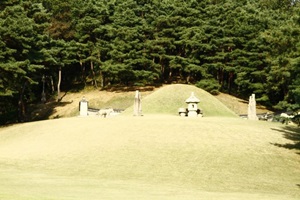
x=192 y=102
x=83 y=107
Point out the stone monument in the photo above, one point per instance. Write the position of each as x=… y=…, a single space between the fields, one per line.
x=83 y=107
x=192 y=102
x=137 y=107
x=252 y=108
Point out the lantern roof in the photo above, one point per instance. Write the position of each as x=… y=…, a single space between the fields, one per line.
x=192 y=99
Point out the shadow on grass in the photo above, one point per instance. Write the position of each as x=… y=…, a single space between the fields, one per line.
x=290 y=133
x=43 y=111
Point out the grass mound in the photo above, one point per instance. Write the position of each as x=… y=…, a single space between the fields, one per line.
x=169 y=98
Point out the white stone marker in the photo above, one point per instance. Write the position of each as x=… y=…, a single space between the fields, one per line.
x=83 y=107
x=252 y=108
x=137 y=107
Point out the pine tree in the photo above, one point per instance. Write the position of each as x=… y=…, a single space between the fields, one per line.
x=21 y=33
x=282 y=84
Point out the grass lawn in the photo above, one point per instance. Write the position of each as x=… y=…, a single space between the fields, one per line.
x=151 y=157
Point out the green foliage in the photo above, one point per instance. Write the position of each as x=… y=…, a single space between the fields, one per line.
x=210 y=85
x=22 y=40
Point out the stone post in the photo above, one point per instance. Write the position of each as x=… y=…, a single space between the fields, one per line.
x=83 y=107
x=137 y=107
x=252 y=108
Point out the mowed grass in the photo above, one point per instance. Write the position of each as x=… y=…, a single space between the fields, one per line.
x=149 y=157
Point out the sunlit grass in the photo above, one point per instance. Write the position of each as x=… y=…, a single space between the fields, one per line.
x=150 y=157
x=157 y=156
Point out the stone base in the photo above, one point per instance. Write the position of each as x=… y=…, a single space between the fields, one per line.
x=253 y=118
x=192 y=113
x=83 y=111
x=182 y=114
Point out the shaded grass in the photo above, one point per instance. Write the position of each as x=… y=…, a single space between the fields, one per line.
x=293 y=135
x=150 y=157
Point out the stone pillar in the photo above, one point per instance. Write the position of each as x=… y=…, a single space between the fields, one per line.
x=137 y=107
x=252 y=108
x=83 y=107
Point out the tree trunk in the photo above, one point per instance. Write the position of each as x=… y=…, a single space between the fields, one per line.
x=21 y=104
x=188 y=78
x=221 y=76
x=52 y=85
x=170 y=76
x=82 y=72
x=93 y=74
x=58 y=84
x=162 y=69
x=102 y=79
x=230 y=80
x=100 y=71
